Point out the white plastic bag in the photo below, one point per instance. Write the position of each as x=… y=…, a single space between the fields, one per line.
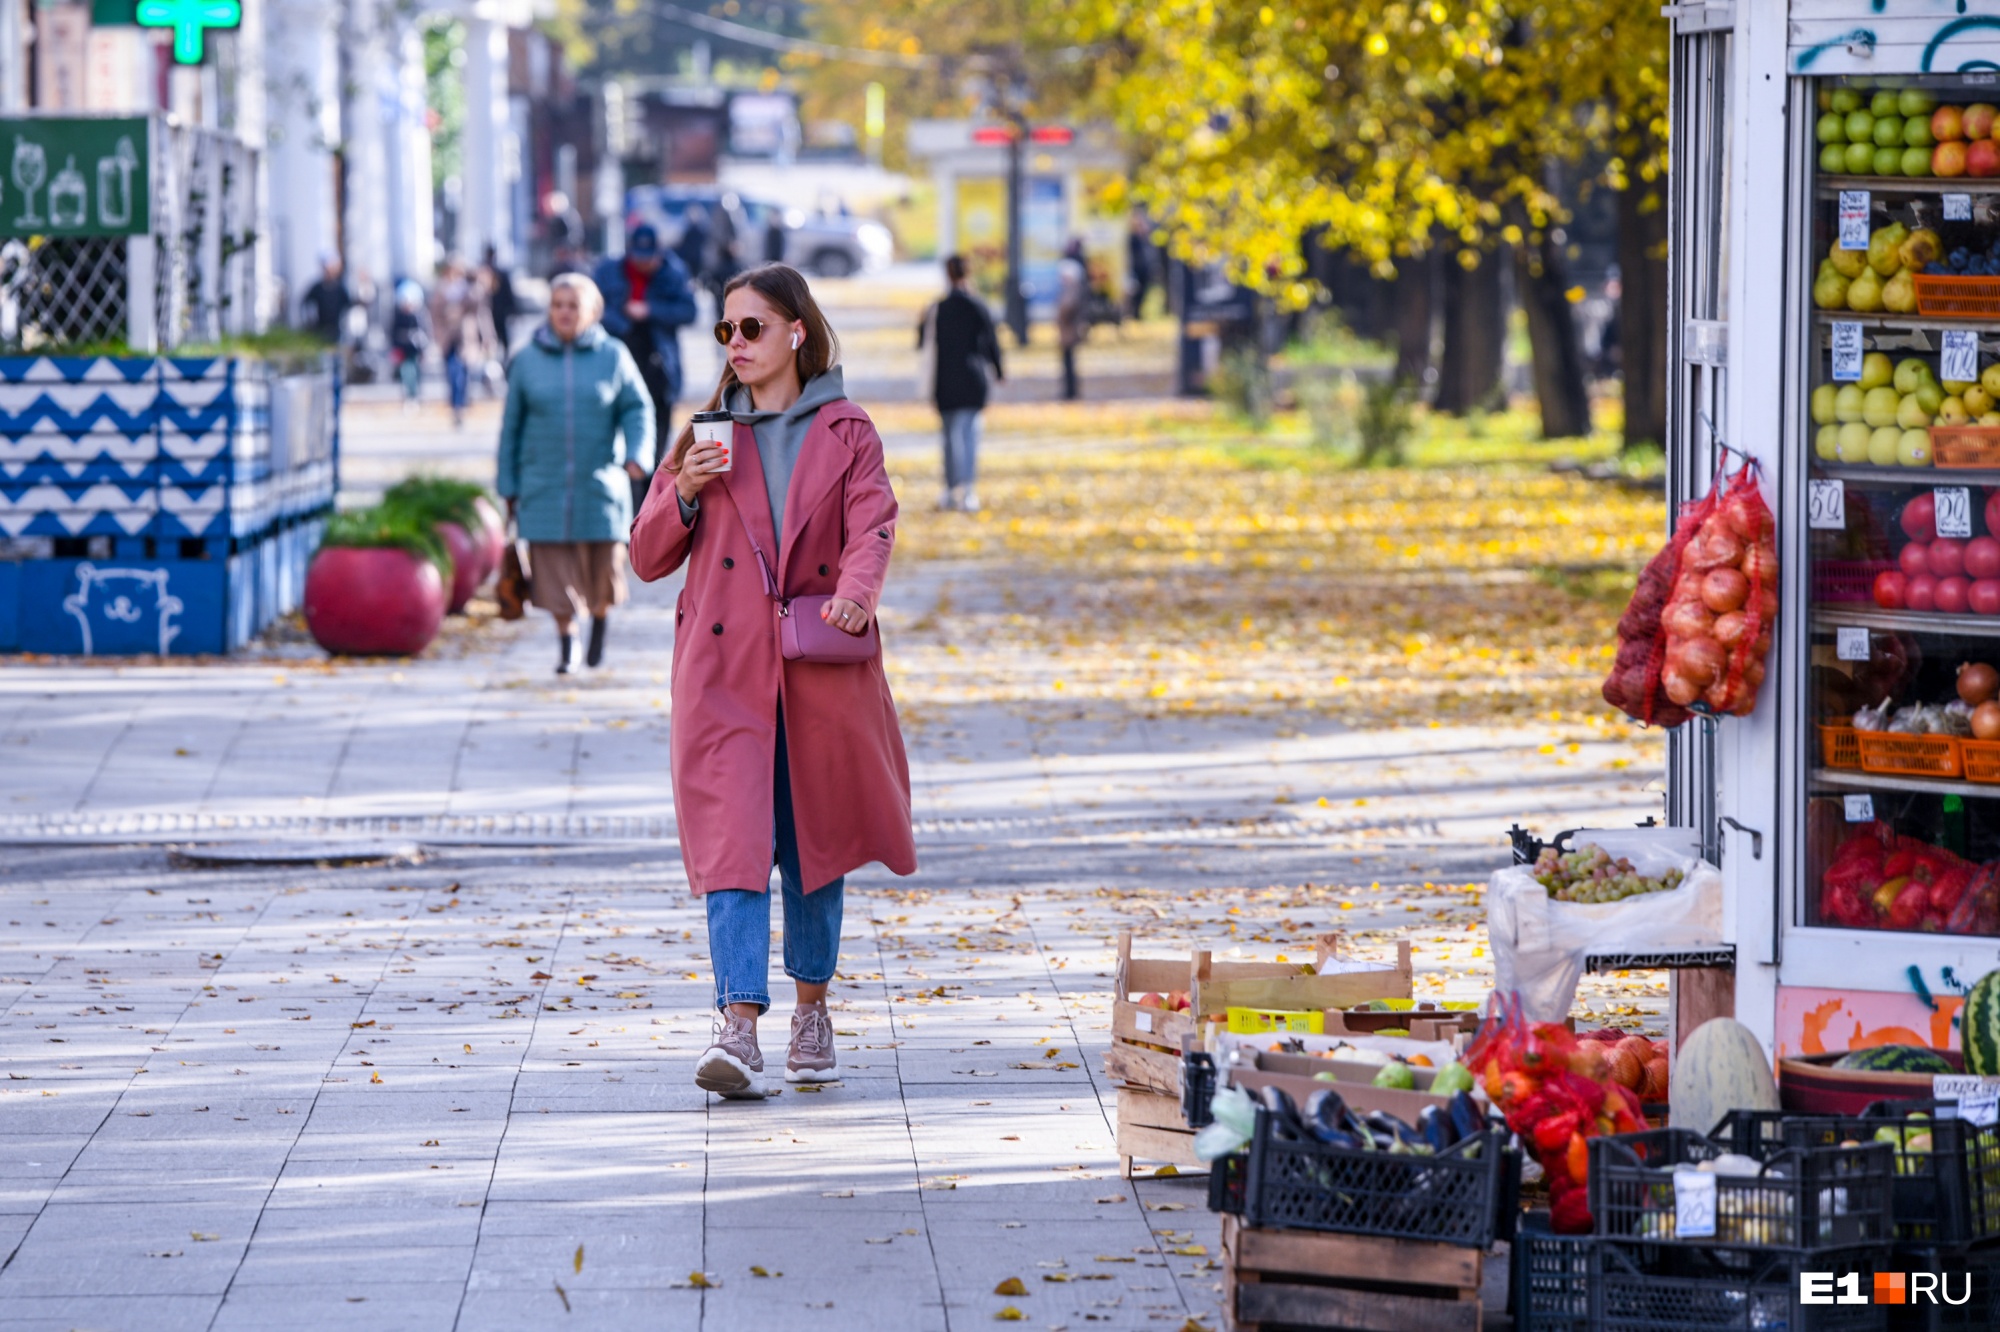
x=1539 y=945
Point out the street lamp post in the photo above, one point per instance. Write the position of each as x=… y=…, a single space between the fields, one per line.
x=1017 y=296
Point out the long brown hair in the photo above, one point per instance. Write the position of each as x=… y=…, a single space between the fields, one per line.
x=787 y=291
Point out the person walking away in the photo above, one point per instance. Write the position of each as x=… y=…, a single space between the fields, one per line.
x=793 y=760
x=693 y=248
x=1139 y=259
x=646 y=302
x=577 y=431
x=959 y=335
x=774 y=236
x=459 y=323
x=1072 y=313
x=324 y=307
x=503 y=303
x=409 y=335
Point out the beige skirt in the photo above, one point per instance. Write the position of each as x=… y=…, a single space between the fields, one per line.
x=567 y=578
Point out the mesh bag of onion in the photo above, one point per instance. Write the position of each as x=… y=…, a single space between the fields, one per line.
x=1633 y=687
x=1718 y=618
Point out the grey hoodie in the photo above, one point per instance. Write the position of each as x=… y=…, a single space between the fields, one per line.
x=780 y=436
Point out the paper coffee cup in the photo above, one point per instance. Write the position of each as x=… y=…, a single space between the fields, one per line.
x=719 y=429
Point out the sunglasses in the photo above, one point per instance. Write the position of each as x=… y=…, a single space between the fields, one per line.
x=751 y=327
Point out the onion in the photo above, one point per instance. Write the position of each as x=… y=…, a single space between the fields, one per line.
x=1679 y=688
x=1760 y=564
x=1720 y=697
x=1747 y=515
x=1702 y=660
x=1732 y=628
x=1753 y=675
x=1977 y=682
x=1686 y=619
x=1724 y=590
x=1762 y=647
x=1688 y=586
x=1986 y=721
x=1715 y=548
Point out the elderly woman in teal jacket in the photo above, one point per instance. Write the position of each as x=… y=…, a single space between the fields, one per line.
x=579 y=424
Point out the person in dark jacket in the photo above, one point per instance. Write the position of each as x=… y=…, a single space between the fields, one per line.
x=501 y=301
x=325 y=305
x=958 y=332
x=647 y=301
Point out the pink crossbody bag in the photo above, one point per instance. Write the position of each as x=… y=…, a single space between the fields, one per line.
x=802 y=634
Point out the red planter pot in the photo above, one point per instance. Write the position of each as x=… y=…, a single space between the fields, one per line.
x=368 y=602
x=494 y=544
x=467 y=564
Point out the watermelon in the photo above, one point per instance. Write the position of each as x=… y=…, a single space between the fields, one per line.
x=1895 y=1059
x=1721 y=1067
x=1979 y=1026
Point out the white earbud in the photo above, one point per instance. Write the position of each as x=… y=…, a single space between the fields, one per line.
x=795 y=342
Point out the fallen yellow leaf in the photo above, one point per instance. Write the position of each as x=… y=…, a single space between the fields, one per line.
x=1009 y=1315
x=1011 y=1286
x=578 y=1264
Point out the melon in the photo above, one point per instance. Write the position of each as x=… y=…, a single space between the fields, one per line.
x=1721 y=1067
x=1895 y=1059
x=1979 y=1026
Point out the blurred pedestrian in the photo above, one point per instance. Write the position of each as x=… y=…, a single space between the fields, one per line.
x=1139 y=260
x=463 y=328
x=646 y=303
x=1072 y=313
x=501 y=302
x=324 y=307
x=793 y=759
x=774 y=236
x=409 y=337
x=578 y=431
x=693 y=246
x=957 y=333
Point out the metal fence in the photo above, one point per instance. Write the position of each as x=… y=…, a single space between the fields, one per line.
x=190 y=279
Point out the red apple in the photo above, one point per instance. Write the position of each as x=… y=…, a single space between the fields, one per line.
x=1982 y=158
x=1948 y=123
x=1979 y=120
x=1152 y=1000
x=1993 y=512
x=1921 y=594
x=1919 y=516
x=1947 y=557
x=1984 y=596
x=1892 y=584
x=1914 y=559
x=1952 y=595
x=1948 y=158
x=1982 y=558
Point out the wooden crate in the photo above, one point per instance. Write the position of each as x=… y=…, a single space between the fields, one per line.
x=1304 y=1279
x=1150 y=1128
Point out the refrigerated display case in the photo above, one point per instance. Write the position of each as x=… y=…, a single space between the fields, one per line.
x=1836 y=286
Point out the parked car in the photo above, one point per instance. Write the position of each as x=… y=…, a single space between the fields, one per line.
x=814 y=243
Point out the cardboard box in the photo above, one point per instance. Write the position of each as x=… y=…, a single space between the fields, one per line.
x=1294 y=1073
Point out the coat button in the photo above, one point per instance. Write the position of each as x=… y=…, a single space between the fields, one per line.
x=883 y=533
x=716 y=629
x=728 y=563
x=823 y=571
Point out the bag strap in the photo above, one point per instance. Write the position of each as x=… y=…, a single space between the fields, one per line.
x=763 y=565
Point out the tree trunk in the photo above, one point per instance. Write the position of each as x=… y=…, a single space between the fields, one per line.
x=1415 y=282
x=1642 y=311
x=1475 y=333
x=1541 y=278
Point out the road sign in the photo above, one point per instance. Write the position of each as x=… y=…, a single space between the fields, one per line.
x=190 y=21
x=74 y=177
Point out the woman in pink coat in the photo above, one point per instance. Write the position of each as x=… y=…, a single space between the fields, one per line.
x=794 y=762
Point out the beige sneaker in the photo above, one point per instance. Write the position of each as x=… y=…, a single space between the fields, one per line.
x=810 y=1057
x=733 y=1067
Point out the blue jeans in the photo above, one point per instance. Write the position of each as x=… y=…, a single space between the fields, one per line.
x=961 y=447
x=455 y=380
x=739 y=919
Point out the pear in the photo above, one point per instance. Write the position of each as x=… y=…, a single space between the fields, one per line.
x=1851 y=444
x=1915 y=449
x=1830 y=290
x=1876 y=370
x=1957 y=387
x=1864 y=294
x=1910 y=413
x=1847 y=403
x=1920 y=247
x=1989 y=379
x=1899 y=293
x=1848 y=263
x=1882 y=446
x=1977 y=400
x=1883 y=244
x=1953 y=413
x=1878 y=409
x=1911 y=374
x=1822 y=404
x=1825 y=442
x=1990 y=419
x=1930 y=395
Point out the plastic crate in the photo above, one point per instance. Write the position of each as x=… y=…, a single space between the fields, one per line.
x=1847 y=580
x=1549 y=1283
x=1468 y=1195
x=1960 y=297
x=1970 y=1276
x=1226 y=1177
x=1637 y=1289
x=1965 y=446
x=1981 y=759
x=1892 y=754
x=1197 y=1088
x=1946 y=1196
x=1807 y=1200
x=1839 y=747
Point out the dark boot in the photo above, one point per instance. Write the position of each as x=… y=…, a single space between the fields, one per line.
x=594 y=655
x=568 y=654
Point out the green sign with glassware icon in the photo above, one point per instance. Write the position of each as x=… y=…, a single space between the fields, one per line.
x=85 y=176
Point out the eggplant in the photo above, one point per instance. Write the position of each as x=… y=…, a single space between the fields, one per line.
x=1284 y=1114
x=1326 y=1118
x=1395 y=1131
x=1434 y=1122
x=1466 y=1121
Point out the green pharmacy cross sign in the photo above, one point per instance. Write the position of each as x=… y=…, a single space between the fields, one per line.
x=190 y=21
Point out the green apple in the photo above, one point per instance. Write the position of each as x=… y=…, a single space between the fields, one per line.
x=1822 y=403
x=1882 y=446
x=1910 y=413
x=1912 y=102
x=1952 y=412
x=1831 y=128
x=1882 y=104
x=1851 y=444
x=1911 y=374
x=1977 y=400
x=1876 y=370
x=1825 y=442
x=1916 y=161
x=1878 y=408
x=1860 y=127
x=1833 y=159
x=1931 y=396
x=1889 y=132
x=1888 y=162
x=1848 y=401
x=1844 y=100
x=1917 y=132
x=1915 y=449
x=1860 y=155
x=1989 y=379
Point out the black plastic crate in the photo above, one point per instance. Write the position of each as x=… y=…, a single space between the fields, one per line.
x=1550 y=1279
x=1197 y=1088
x=1468 y=1195
x=1657 y=1288
x=1947 y=1195
x=1226 y=1175
x=1968 y=1275
x=1807 y=1199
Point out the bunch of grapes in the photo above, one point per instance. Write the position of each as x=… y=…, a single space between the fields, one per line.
x=1590 y=874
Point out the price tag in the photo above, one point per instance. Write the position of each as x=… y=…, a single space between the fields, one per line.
x=1826 y=505
x=1143 y=1021
x=1954 y=511
x=1851 y=644
x=1960 y=359
x=1854 y=219
x=1694 y=1203
x=1860 y=808
x=1978 y=1098
x=1958 y=208
x=1846 y=352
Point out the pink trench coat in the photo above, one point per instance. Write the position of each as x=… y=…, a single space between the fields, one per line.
x=850 y=779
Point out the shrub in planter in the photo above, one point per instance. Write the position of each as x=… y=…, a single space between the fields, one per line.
x=377 y=585
x=459 y=511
